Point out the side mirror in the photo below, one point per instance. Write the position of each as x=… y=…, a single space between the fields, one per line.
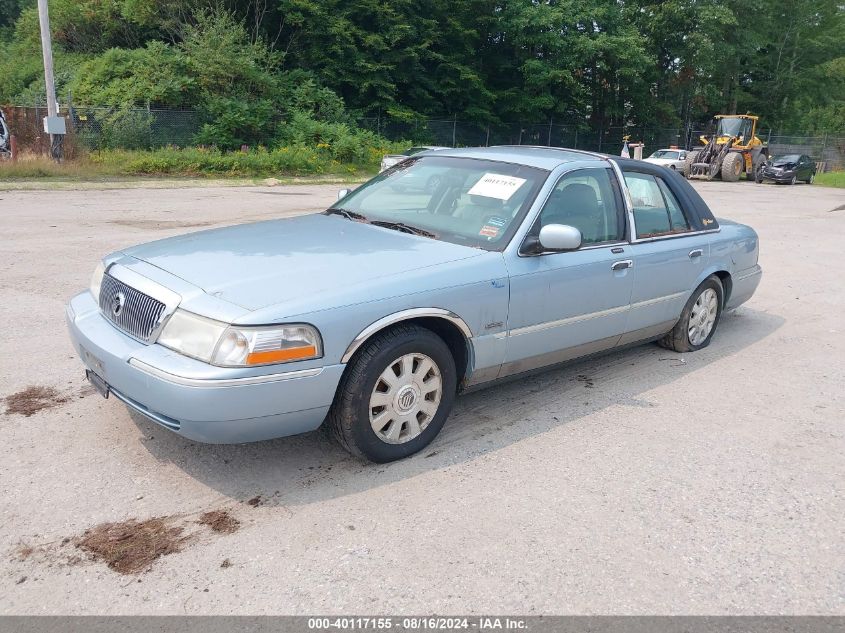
x=343 y=193
x=554 y=238
x=560 y=237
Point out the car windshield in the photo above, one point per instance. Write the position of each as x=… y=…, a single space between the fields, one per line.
x=665 y=153
x=467 y=201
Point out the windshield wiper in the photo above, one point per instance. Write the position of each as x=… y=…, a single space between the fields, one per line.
x=349 y=215
x=405 y=228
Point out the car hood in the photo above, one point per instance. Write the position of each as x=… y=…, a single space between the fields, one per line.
x=661 y=161
x=266 y=263
x=783 y=164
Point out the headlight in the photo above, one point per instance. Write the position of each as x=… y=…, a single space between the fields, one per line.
x=97 y=281
x=192 y=335
x=245 y=346
x=239 y=346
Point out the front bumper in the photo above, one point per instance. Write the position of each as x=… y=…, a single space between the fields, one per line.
x=778 y=177
x=200 y=402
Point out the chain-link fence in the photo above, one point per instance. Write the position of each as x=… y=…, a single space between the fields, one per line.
x=104 y=128
x=827 y=149
x=109 y=128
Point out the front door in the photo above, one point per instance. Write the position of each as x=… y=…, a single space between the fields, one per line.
x=569 y=304
x=668 y=257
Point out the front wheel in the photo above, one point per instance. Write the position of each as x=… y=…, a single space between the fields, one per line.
x=732 y=166
x=396 y=395
x=699 y=319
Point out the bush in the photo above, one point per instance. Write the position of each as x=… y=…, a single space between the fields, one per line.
x=294 y=160
x=342 y=142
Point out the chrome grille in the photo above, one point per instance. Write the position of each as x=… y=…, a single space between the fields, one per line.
x=130 y=310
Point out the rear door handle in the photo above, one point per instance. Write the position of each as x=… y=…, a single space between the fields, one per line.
x=696 y=253
x=622 y=265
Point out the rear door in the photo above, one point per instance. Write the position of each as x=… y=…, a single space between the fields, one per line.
x=668 y=253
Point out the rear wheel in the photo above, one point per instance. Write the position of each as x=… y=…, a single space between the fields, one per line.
x=811 y=179
x=699 y=319
x=395 y=396
x=732 y=166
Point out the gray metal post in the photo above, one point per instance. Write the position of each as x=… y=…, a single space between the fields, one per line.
x=454 y=129
x=549 y=139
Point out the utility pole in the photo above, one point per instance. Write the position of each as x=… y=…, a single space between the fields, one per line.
x=53 y=124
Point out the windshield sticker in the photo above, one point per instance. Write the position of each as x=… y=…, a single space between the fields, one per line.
x=495 y=221
x=488 y=231
x=496 y=186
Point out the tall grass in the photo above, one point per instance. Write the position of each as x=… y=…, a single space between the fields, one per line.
x=831 y=179
x=294 y=160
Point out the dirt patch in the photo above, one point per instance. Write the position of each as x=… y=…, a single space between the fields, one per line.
x=132 y=546
x=160 y=225
x=33 y=399
x=22 y=552
x=220 y=521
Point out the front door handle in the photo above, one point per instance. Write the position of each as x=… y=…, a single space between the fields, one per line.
x=622 y=265
x=696 y=253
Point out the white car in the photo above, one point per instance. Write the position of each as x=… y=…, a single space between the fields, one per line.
x=671 y=158
x=390 y=160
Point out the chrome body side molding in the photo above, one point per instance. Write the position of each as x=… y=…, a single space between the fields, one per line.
x=404 y=315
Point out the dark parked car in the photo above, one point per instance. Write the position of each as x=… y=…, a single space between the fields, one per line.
x=788 y=169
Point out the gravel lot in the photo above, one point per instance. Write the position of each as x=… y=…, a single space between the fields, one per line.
x=643 y=482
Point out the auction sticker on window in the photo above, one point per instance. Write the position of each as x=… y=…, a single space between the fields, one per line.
x=496 y=186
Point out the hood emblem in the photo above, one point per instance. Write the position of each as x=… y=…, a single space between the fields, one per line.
x=118 y=300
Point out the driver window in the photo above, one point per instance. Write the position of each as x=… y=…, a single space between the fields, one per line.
x=585 y=199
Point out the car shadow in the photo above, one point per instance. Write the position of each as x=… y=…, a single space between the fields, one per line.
x=299 y=470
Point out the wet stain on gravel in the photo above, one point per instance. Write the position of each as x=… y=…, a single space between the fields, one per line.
x=220 y=521
x=33 y=399
x=588 y=382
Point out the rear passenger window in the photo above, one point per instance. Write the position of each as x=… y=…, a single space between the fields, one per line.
x=656 y=209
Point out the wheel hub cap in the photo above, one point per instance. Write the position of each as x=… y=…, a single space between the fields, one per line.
x=703 y=316
x=405 y=398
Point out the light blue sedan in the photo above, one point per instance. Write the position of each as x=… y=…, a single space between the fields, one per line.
x=372 y=316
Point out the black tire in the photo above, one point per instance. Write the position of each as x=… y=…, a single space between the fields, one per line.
x=349 y=417
x=793 y=180
x=811 y=178
x=688 y=161
x=678 y=339
x=732 y=167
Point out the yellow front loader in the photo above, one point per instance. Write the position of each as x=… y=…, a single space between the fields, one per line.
x=732 y=150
